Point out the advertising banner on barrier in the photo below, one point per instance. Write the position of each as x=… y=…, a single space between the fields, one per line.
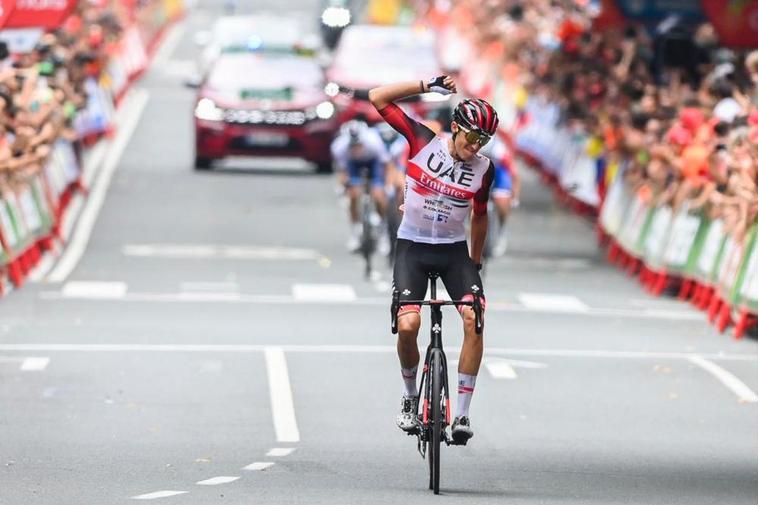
x=97 y=116
x=656 y=239
x=46 y=14
x=8 y=229
x=729 y=268
x=682 y=239
x=614 y=207
x=713 y=245
x=21 y=232
x=748 y=293
x=6 y=9
x=636 y=222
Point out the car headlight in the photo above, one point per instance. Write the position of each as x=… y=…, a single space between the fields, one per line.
x=206 y=110
x=335 y=17
x=325 y=110
x=332 y=89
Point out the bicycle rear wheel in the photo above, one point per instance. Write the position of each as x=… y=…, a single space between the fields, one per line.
x=435 y=421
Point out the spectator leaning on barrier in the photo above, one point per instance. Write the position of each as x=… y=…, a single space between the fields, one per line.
x=42 y=91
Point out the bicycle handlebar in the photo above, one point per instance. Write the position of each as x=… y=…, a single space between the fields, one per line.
x=476 y=304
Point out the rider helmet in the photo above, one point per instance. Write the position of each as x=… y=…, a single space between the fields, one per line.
x=475 y=114
x=354 y=129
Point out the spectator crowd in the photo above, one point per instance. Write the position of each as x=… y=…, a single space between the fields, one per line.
x=43 y=91
x=667 y=108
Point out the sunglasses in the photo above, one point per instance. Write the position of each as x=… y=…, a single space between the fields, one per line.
x=474 y=137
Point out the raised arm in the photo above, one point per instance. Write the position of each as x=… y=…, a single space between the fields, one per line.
x=382 y=96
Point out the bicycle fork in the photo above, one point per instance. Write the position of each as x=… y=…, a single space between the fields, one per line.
x=434 y=348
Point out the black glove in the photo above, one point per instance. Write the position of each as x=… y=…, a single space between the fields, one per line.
x=437 y=85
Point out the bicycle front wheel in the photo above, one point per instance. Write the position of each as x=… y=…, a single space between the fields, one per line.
x=435 y=421
x=368 y=241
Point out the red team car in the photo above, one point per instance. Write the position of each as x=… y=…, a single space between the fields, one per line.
x=264 y=105
x=369 y=55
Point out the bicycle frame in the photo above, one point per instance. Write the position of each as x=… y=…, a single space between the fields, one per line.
x=435 y=344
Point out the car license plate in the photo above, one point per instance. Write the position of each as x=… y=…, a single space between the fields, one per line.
x=267 y=139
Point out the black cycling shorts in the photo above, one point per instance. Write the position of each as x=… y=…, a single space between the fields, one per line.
x=414 y=260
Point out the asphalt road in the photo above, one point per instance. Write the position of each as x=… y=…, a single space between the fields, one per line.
x=216 y=344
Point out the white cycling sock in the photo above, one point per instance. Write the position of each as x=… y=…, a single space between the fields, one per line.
x=409 y=379
x=466 y=385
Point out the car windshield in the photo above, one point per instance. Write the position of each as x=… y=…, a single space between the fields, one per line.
x=381 y=48
x=254 y=33
x=259 y=76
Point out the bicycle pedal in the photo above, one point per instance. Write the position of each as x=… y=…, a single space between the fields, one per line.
x=462 y=440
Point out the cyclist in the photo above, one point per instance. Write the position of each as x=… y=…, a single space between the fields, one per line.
x=397 y=150
x=355 y=149
x=505 y=189
x=444 y=174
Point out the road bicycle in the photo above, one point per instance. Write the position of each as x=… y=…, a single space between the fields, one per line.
x=370 y=223
x=434 y=416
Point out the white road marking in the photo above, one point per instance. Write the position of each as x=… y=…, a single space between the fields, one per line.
x=540 y=263
x=131 y=110
x=93 y=160
x=366 y=349
x=168 y=45
x=278 y=452
x=670 y=314
x=210 y=251
x=500 y=369
x=552 y=303
x=94 y=289
x=258 y=466
x=282 y=406
x=654 y=303
x=201 y=296
x=744 y=393
x=523 y=364
x=71 y=216
x=215 y=481
x=35 y=364
x=323 y=292
x=209 y=286
x=157 y=494
x=346 y=299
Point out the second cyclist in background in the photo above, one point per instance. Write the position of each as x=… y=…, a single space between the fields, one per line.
x=357 y=149
x=506 y=189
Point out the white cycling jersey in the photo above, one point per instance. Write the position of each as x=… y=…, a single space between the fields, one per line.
x=439 y=189
x=372 y=148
